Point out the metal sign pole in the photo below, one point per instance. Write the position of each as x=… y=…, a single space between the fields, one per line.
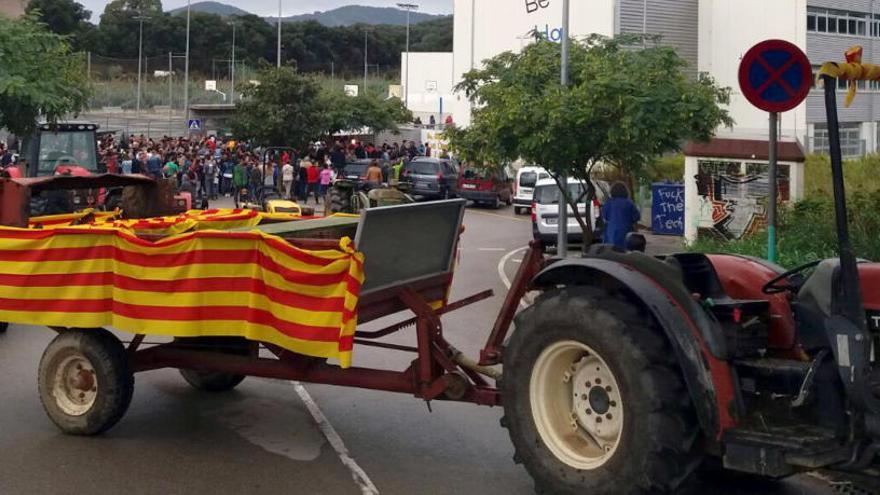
x=562 y=222
x=772 y=200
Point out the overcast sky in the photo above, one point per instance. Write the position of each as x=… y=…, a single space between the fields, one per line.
x=289 y=7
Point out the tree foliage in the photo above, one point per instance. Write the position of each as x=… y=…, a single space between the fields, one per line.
x=61 y=16
x=39 y=76
x=284 y=108
x=290 y=108
x=625 y=106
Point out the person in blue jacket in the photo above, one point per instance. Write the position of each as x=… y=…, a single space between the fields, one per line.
x=620 y=215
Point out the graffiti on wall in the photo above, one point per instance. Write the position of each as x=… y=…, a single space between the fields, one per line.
x=733 y=197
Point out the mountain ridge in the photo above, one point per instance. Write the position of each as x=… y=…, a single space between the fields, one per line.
x=341 y=16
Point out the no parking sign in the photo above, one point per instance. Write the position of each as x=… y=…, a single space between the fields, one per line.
x=775 y=76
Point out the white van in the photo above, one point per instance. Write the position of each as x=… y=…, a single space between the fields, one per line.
x=545 y=210
x=524 y=187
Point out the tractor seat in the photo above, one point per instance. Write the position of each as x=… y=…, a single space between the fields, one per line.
x=817 y=290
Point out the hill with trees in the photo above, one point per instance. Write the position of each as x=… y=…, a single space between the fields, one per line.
x=312 y=46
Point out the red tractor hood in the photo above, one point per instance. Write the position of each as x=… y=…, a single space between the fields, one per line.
x=74 y=170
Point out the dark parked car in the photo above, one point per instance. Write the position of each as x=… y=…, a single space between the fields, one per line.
x=488 y=188
x=433 y=178
x=356 y=171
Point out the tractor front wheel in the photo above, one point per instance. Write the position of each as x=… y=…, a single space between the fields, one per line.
x=593 y=399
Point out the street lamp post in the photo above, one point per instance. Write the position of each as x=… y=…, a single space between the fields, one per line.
x=186 y=68
x=140 y=20
x=279 y=34
x=367 y=31
x=232 y=90
x=408 y=7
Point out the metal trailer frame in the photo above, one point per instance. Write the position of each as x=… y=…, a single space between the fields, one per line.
x=438 y=372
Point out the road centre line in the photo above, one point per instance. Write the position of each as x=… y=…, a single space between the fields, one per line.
x=358 y=475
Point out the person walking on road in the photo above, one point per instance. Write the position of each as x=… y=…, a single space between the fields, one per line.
x=287 y=179
x=313 y=180
x=325 y=177
x=374 y=175
x=620 y=215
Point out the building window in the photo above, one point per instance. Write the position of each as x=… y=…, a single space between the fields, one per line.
x=840 y=22
x=851 y=143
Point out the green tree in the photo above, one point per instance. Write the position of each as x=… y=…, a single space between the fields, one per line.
x=39 y=76
x=62 y=16
x=285 y=108
x=345 y=113
x=625 y=106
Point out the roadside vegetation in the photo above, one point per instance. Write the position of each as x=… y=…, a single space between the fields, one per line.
x=806 y=230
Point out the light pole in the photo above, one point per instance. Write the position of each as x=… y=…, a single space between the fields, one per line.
x=186 y=68
x=279 y=34
x=408 y=7
x=232 y=90
x=140 y=19
x=562 y=224
x=366 y=65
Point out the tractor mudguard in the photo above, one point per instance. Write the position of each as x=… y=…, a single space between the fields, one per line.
x=710 y=380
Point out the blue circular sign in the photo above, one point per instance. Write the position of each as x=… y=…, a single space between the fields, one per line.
x=775 y=76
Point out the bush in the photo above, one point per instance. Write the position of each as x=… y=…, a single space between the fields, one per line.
x=860 y=175
x=806 y=232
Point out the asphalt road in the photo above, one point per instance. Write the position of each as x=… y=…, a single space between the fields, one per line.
x=277 y=437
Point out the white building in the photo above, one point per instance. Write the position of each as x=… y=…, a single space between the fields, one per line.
x=712 y=35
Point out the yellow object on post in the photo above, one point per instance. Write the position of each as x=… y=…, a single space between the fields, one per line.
x=853 y=70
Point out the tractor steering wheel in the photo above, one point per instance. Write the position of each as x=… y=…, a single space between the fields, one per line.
x=773 y=287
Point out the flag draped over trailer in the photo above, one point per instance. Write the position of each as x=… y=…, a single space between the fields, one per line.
x=204 y=283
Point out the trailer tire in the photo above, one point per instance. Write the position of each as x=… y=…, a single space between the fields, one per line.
x=85 y=381
x=4 y=326
x=568 y=341
x=213 y=381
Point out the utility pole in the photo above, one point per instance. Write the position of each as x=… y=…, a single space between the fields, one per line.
x=89 y=65
x=186 y=68
x=562 y=225
x=140 y=19
x=170 y=88
x=232 y=90
x=279 y=34
x=408 y=7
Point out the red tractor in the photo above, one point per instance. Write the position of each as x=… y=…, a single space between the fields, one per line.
x=630 y=374
x=69 y=148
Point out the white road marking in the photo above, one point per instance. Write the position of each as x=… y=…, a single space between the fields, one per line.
x=491 y=249
x=501 y=273
x=358 y=475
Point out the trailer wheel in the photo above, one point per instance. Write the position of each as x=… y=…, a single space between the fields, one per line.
x=3 y=326
x=85 y=381
x=212 y=381
x=593 y=400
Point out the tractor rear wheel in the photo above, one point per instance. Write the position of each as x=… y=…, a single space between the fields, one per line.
x=593 y=399
x=339 y=199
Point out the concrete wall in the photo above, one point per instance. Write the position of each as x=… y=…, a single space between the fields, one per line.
x=485 y=28
x=743 y=210
x=430 y=79
x=12 y=8
x=728 y=28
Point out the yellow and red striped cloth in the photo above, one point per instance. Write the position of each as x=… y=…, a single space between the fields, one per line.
x=203 y=283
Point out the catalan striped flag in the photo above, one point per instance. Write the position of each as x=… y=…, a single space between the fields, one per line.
x=204 y=283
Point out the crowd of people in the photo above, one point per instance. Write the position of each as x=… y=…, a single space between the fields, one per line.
x=211 y=166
